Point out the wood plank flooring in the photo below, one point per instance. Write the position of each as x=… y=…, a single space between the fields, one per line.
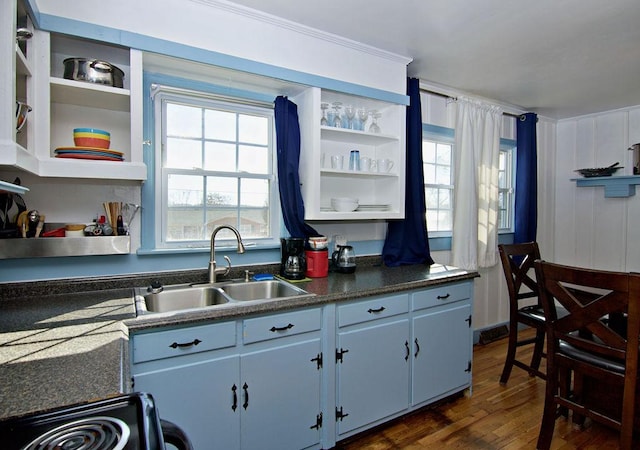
x=493 y=417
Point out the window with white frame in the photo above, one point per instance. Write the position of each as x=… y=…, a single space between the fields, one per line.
x=438 y=162
x=506 y=185
x=215 y=167
x=437 y=159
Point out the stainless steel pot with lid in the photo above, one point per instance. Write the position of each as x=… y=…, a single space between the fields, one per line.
x=93 y=71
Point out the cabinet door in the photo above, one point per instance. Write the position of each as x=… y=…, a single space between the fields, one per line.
x=280 y=397
x=441 y=352
x=200 y=399
x=373 y=377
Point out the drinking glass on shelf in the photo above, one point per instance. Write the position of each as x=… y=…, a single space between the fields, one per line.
x=362 y=116
x=350 y=112
x=337 y=121
x=375 y=115
x=324 y=107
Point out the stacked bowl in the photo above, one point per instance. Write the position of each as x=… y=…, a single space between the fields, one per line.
x=344 y=204
x=91 y=137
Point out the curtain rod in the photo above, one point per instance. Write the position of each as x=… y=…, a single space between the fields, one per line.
x=449 y=97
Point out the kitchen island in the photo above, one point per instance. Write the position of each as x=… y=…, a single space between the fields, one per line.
x=70 y=347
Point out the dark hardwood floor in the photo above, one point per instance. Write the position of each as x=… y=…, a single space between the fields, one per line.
x=492 y=417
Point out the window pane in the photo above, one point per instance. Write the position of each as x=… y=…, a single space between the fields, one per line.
x=253 y=159
x=222 y=191
x=253 y=129
x=430 y=173
x=428 y=152
x=443 y=154
x=443 y=175
x=184 y=190
x=254 y=192
x=184 y=213
x=254 y=210
x=445 y=221
x=183 y=153
x=220 y=157
x=184 y=224
x=184 y=121
x=444 y=198
x=220 y=125
x=221 y=216
x=431 y=197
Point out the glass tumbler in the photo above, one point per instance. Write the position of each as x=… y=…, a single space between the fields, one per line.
x=354 y=160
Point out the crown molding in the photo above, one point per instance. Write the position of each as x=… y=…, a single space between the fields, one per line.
x=302 y=29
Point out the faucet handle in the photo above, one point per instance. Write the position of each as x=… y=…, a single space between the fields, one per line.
x=224 y=270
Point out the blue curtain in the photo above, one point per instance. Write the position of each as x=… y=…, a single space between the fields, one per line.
x=407 y=242
x=288 y=148
x=526 y=201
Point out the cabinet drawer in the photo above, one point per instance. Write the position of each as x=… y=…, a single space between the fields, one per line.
x=439 y=295
x=376 y=308
x=171 y=343
x=279 y=325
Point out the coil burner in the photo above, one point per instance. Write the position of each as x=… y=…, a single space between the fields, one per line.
x=90 y=433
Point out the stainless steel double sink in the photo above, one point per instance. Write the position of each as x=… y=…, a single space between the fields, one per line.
x=196 y=296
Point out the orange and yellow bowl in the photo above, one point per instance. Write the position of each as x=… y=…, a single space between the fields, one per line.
x=91 y=137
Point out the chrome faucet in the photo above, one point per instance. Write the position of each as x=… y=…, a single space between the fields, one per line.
x=213 y=270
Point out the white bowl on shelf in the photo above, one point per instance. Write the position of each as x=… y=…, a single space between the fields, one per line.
x=344 y=204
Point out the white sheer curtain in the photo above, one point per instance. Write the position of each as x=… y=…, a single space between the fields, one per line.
x=477 y=153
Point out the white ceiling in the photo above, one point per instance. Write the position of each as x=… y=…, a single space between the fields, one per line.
x=559 y=58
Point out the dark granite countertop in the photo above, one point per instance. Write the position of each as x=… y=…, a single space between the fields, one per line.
x=70 y=345
x=61 y=349
x=365 y=282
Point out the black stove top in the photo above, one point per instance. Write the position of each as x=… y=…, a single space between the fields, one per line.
x=128 y=422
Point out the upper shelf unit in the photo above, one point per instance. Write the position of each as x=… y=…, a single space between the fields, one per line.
x=59 y=105
x=380 y=193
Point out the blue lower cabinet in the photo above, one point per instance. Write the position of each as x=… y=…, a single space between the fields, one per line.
x=263 y=392
x=198 y=397
x=372 y=363
x=282 y=397
x=441 y=353
x=372 y=375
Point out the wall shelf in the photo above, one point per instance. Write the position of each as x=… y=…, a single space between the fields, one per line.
x=614 y=187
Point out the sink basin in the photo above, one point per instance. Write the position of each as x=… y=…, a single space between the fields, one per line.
x=175 y=299
x=184 y=296
x=261 y=290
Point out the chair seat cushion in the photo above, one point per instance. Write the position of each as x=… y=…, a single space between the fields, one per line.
x=581 y=355
x=534 y=312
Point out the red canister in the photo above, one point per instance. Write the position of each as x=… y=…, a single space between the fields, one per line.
x=317 y=263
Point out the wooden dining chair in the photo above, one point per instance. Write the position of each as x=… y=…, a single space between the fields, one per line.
x=517 y=263
x=592 y=366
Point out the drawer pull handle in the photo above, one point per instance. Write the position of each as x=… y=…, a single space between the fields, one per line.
x=406 y=345
x=373 y=311
x=443 y=297
x=245 y=388
x=417 y=348
x=288 y=327
x=234 y=388
x=186 y=344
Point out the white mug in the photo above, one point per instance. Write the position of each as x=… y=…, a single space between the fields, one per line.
x=367 y=164
x=337 y=162
x=385 y=165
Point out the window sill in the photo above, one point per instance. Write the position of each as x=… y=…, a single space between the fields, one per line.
x=226 y=249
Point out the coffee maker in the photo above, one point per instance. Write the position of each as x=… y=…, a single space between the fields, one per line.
x=293 y=264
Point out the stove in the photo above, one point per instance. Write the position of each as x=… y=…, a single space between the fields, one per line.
x=127 y=422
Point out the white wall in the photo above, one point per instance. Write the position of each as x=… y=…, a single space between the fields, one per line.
x=591 y=230
x=237 y=31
